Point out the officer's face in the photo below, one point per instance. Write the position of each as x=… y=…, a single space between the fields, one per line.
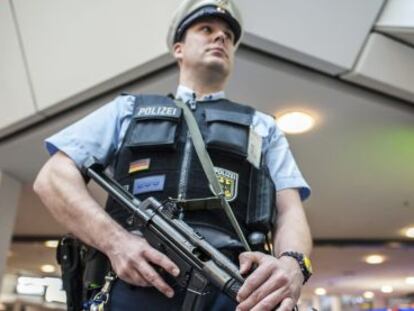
x=209 y=43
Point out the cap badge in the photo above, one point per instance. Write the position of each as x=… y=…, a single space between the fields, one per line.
x=221 y=5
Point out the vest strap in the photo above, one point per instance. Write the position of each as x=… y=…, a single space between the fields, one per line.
x=208 y=168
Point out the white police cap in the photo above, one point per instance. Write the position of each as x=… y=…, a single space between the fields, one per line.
x=190 y=11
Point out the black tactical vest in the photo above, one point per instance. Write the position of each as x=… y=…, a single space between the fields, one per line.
x=157 y=159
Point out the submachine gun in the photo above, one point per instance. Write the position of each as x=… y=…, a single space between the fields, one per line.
x=200 y=264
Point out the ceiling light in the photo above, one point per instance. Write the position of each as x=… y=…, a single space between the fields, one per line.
x=387 y=289
x=410 y=280
x=30 y=286
x=409 y=233
x=295 y=122
x=320 y=291
x=52 y=243
x=54 y=291
x=374 y=259
x=48 y=268
x=29 y=289
x=369 y=295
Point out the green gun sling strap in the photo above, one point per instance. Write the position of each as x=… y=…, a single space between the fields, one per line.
x=208 y=168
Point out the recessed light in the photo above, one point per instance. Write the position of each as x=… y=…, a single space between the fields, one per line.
x=27 y=285
x=409 y=233
x=410 y=280
x=320 y=291
x=387 y=289
x=295 y=122
x=368 y=295
x=48 y=268
x=52 y=243
x=374 y=259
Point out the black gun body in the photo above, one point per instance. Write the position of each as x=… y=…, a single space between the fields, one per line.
x=190 y=251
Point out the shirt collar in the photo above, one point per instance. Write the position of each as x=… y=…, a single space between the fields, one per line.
x=186 y=94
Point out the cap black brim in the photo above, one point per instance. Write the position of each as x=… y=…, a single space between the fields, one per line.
x=208 y=11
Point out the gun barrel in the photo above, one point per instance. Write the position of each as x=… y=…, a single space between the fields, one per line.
x=116 y=191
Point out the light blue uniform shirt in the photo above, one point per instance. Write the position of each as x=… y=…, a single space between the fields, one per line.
x=101 y=133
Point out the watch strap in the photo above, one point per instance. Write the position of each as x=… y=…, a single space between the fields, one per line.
x=300 y=258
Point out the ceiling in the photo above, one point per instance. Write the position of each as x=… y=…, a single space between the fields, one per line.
x=406 y=36
x=358 y=161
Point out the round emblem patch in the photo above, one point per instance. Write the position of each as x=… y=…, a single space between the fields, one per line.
x=228 y=181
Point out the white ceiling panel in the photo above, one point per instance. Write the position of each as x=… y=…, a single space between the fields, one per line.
x=397 y=20
x=387 y=66
x=323 y=34
x=16 y=99
x=76 y=47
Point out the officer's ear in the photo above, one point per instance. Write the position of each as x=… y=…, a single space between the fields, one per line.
x=178 y=51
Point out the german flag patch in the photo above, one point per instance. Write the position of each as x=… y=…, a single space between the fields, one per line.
x=139 y=165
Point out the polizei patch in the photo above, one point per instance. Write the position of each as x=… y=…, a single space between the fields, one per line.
x=158 y=111
x=229 y=181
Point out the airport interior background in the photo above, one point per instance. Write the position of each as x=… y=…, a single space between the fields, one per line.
x=338 y=75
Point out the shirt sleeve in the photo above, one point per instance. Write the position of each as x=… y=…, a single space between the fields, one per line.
x=99 y=134
x=279 y=158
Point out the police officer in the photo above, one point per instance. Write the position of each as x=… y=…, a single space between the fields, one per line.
x=203 y=37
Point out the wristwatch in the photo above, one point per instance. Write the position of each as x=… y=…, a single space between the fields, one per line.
x=303 y=261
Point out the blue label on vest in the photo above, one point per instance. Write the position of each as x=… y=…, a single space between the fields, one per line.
x=149 y=184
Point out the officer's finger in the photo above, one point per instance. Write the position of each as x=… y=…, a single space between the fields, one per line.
x=136 y=278
x=247 y=259
x=257 y=278
x=272 y=284
x=161 y=260
x=275 y=299
x=245 y=265
x=287 y=305
x=152 y=277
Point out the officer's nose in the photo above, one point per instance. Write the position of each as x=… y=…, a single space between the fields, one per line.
x=220 y=36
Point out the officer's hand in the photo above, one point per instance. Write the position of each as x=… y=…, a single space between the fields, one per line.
x=132 y=260
x=273 y=282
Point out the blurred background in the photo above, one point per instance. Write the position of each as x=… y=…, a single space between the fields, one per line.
x=338 y=74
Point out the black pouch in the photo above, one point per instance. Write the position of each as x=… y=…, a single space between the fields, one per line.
x=154 y=127
x=261 y=211
x=97 y=266
x=68 y=256
x=228 y=131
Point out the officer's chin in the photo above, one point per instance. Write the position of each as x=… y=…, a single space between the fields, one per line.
x=220 y=67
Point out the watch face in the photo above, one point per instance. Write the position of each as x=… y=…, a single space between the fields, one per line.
x=308 y=264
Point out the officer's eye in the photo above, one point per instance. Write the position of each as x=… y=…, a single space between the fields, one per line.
x=206 y=29
x=229 y=35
